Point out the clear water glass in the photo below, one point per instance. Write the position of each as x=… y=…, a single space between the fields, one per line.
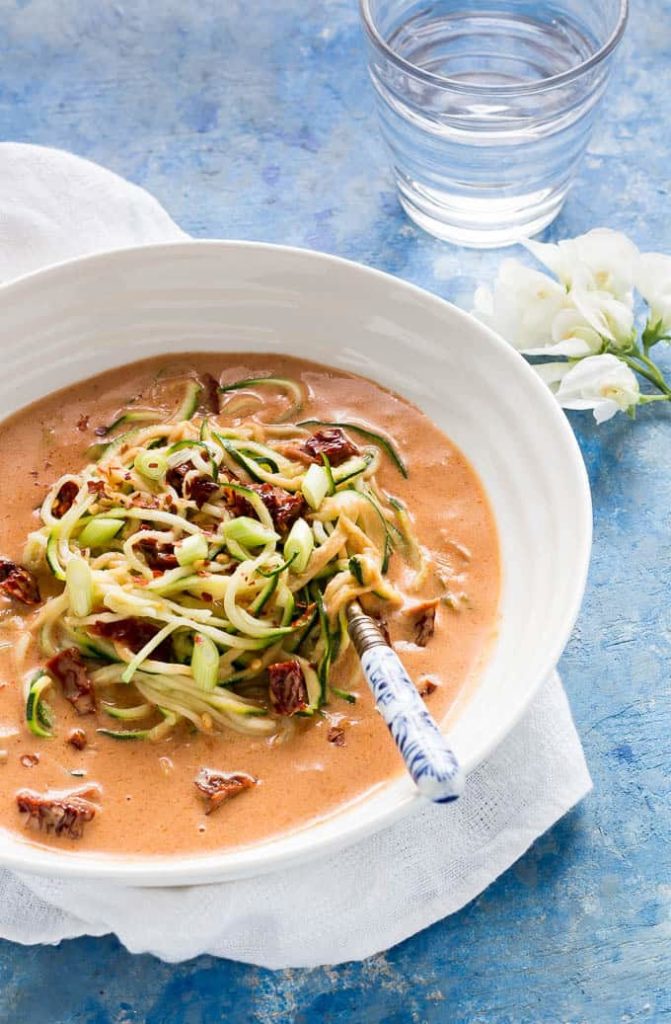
x=487 y=106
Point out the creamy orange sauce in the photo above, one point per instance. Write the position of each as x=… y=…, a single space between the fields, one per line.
x=149 y=803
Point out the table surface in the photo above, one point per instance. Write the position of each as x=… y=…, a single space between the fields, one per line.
x=254 y=120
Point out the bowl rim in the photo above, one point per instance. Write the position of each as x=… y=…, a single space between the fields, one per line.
x=309 y=842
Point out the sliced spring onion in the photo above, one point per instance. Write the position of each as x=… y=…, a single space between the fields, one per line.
x=188 y=407
x=249 y=532
x=205 y=662
x=38 y=715
x=192 y=549
x=80 y=586
x=291 y=388
x=299 y=545
x=379 y=439
x=315 y=485
x=329 y=473
x=99 y=531
x=152 y=463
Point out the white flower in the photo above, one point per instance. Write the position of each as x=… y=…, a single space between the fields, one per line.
x=552 y=374
x=608 y=316
x=591 y=303
x=653 y=280
x=523 y=305
x=602 y=383
x=572 y=336
x=606 y=258
x=586 y=318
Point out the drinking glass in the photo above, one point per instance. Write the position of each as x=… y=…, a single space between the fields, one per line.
x=487 y=106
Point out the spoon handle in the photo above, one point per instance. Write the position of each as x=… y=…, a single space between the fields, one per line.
x=426 y=752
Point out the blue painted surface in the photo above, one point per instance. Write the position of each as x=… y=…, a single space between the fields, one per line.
x=253 y=120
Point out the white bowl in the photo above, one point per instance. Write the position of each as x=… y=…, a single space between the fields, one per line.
x=73 y=320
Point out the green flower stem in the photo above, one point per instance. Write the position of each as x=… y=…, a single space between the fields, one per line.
x=645 y=399
x=645 y=367
x=652 y=335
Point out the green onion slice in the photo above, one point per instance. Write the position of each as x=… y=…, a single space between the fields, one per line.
x=152 y=463
x=192 y=549
x=299 y=545
x=99 y=531
x=249 y=532
x=315 y=486
x=205 y=662
x=80 y=586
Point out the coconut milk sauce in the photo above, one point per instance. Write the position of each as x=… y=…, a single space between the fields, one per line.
x=149 y=803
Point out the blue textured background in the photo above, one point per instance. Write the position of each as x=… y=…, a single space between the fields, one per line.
x=253 y=119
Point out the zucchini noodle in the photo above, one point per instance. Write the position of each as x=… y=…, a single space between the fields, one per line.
x=237 y=540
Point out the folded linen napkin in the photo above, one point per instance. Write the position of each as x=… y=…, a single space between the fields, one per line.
x=54 y=206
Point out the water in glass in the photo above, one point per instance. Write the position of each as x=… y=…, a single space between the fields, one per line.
x=487 y=107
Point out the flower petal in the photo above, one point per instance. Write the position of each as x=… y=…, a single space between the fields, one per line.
x=552 y=373
x=607 y=315
x=605 y=258
x=522 y=306
x=605 y=410
x=653 y=280
x=598 y=379
x=572 y=348
x=549 y=255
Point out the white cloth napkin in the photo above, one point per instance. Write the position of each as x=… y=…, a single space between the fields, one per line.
x=376 y=893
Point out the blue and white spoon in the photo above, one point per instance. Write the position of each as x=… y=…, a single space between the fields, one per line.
x=431 y=763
